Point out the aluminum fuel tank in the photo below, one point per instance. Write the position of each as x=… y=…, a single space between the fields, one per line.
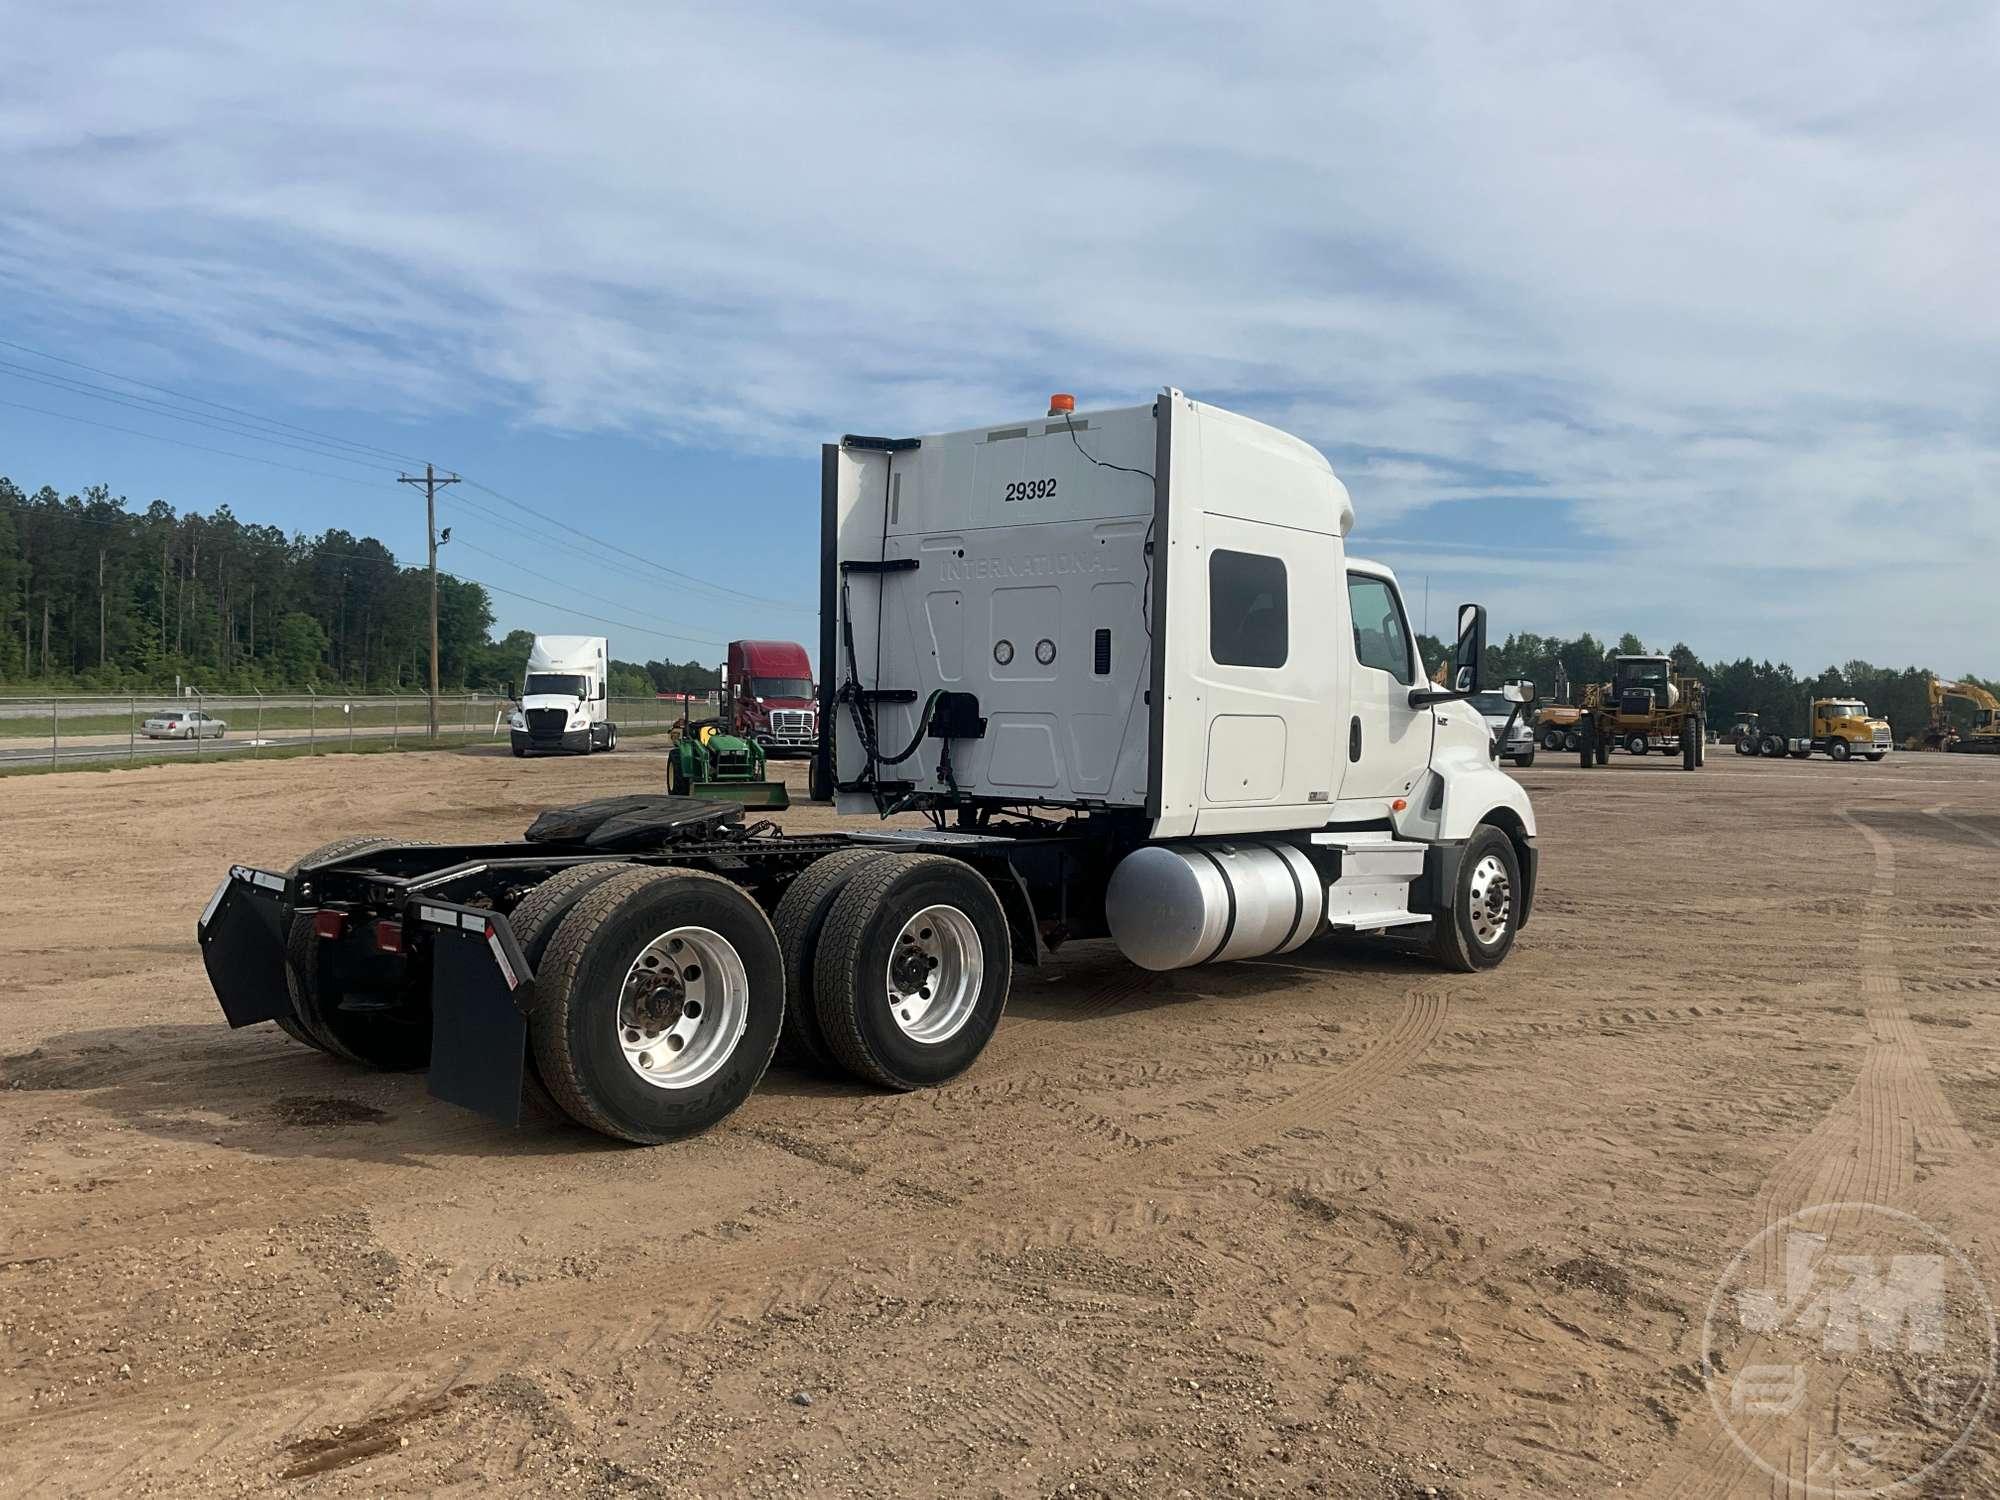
x=1170 y=906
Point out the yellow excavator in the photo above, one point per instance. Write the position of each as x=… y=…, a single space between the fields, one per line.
x=1983 y=738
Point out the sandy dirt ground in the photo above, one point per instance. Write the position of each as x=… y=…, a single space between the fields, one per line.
x=1340 y=1224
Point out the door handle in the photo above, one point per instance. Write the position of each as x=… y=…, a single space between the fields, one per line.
x=1354 y=738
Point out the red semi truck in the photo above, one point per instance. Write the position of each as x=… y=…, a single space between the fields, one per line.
x=769 y=697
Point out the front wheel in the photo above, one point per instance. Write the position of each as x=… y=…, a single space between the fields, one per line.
x=1525 y=759
x=912 y=972
x=1877 y=754
x=662 y=996
x=1638 y=744
x=1477 y=930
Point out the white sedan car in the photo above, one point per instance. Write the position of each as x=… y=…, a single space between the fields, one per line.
x=174 y=724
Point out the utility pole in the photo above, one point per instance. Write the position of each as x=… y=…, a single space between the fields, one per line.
x=431 y=483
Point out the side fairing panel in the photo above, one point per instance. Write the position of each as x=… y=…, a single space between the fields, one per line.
x=1253 y=671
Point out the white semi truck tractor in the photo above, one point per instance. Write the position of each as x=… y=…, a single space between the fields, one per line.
x=565 y=702
x=1089 y=675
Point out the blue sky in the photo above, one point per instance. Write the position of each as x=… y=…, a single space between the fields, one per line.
x=1679 y=321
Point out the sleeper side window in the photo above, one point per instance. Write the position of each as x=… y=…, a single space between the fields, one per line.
x=1248 y=611
x=1381 y=639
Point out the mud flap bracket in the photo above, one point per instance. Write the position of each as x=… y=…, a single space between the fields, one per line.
x=242 y=936
x=481 y=992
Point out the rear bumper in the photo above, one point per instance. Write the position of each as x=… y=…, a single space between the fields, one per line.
x=481 y=988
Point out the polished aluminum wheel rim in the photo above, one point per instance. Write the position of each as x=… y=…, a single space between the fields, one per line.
x=1491 y=899
x=684 y=1006
x=937 y=968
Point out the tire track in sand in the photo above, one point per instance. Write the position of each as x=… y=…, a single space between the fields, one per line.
x=358 y=1372
x=1865 y=1150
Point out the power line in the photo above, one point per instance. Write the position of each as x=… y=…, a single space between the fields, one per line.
x=204 y=401
x=545 y=539
x=71 y=517
x=148 y=405
x=558 y=582
x=637 y=556
x=586 y=615
x=252 y=432
x=64 y=416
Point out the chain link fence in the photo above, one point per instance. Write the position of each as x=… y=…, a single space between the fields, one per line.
x=93 y=729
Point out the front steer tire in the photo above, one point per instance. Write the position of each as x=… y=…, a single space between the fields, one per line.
x=1471 y=934
x=575 y=1030
x=872 y=922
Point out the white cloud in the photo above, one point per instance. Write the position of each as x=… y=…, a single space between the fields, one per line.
x=1719 y=281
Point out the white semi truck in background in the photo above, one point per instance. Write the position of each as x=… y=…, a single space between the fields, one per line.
x=1122 y=667
x=565 y=701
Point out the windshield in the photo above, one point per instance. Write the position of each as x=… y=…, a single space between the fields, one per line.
x=1846 y=710
x=1642 y=674
x=561 y=684
x=781 y=687
x=1493 y=705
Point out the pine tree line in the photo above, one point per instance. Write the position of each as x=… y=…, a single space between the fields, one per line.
x=96 y=595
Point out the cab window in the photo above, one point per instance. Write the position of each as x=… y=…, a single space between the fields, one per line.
x=1248 y=610
x=1381 y=638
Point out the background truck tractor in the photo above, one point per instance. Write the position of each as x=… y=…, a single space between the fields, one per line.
x=1982 y=738
x=1507 y=716
x=1122 y=666
x=1646 y=706
x=565 y=698
x=1840 y=728
x=769 y=697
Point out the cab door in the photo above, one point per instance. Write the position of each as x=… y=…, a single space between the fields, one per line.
x=1385 y=743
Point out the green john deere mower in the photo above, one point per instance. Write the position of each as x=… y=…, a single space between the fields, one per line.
x=723 y=767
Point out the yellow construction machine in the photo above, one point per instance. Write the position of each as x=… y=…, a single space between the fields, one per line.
x=1646 y=706
x=1983 y=738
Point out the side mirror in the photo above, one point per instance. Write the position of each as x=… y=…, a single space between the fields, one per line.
x=1471 y=648
x=1519 y=692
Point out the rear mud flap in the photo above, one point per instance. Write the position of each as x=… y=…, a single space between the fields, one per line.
x=481 y=991
x=242 y=938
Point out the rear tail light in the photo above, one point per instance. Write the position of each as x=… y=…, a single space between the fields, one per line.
x=388 y=936
x=331 y=925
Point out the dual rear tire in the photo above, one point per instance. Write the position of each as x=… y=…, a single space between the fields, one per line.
x=664 y=994
x=897 y=966
x=661 y=996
